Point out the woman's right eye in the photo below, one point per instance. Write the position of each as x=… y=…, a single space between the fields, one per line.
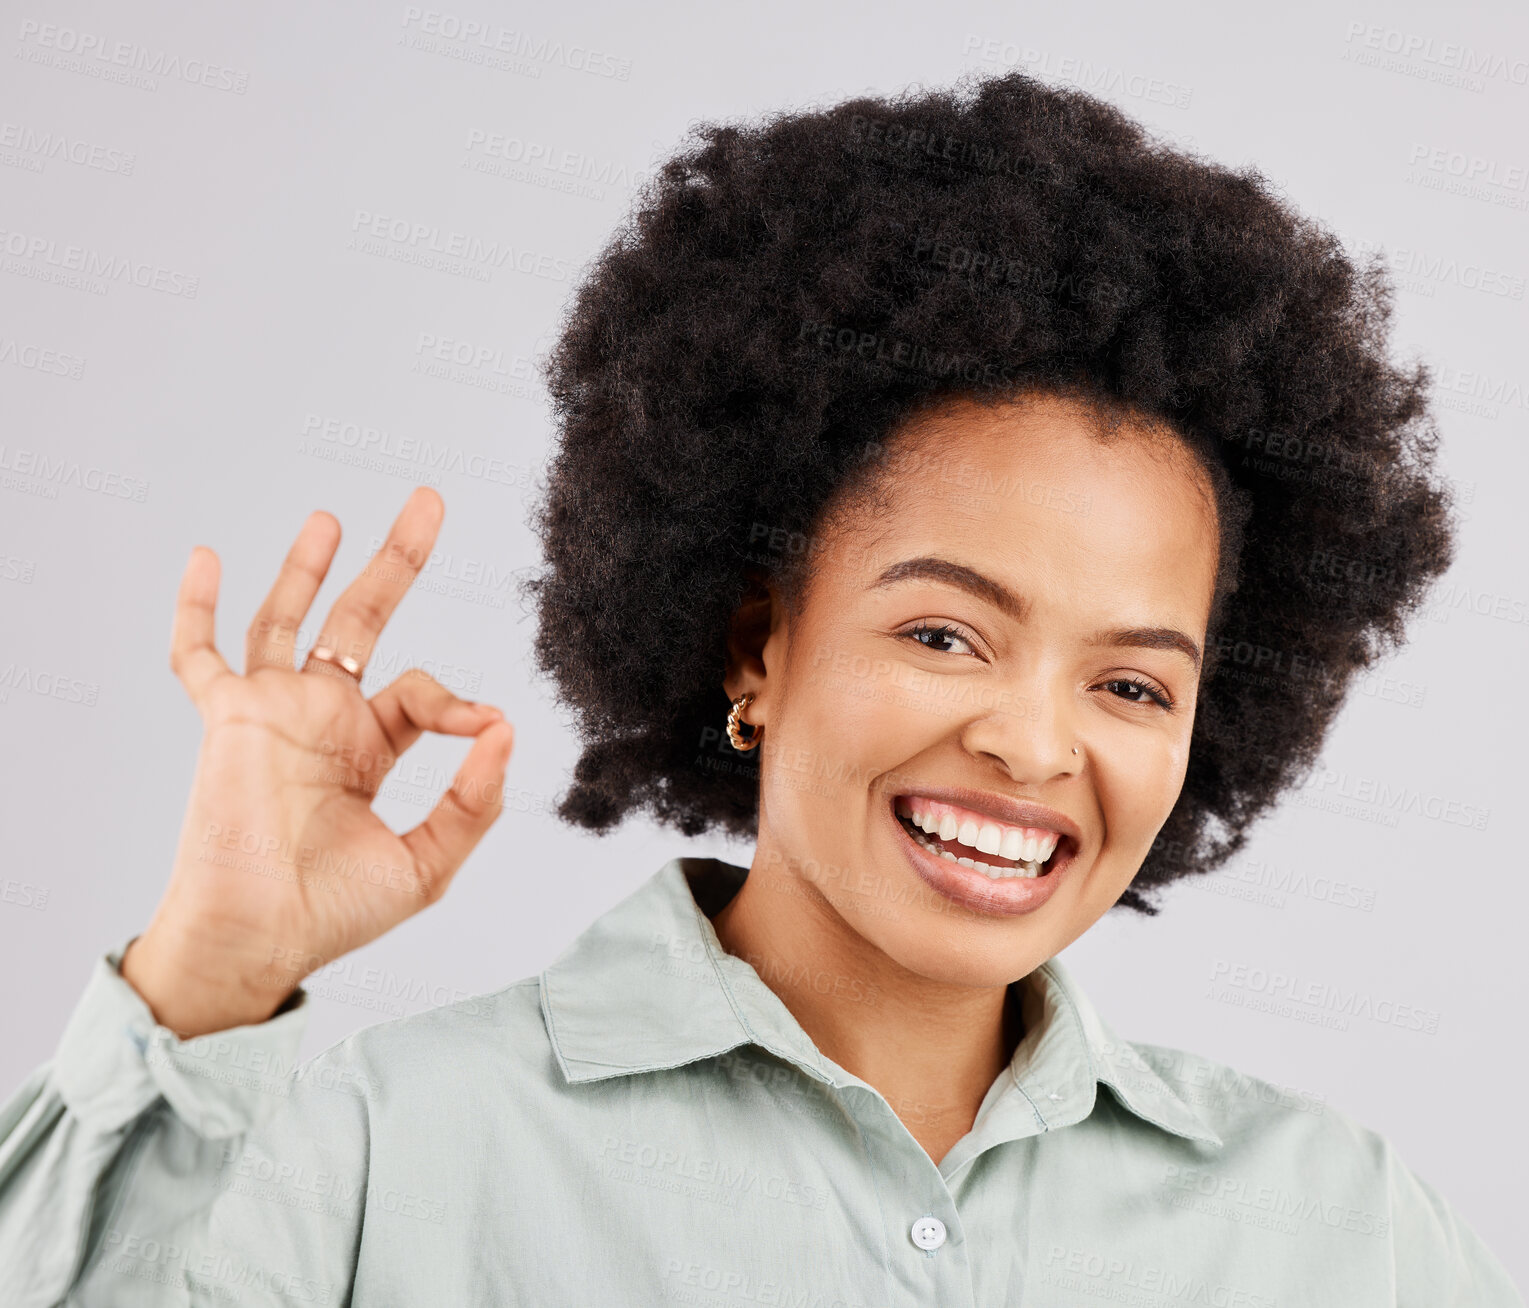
x=936 y=633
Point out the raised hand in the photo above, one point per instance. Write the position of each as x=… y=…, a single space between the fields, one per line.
x=282 y=865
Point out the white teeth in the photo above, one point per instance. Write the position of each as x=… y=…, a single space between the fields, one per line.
x=1032 y=869
x=1030 y=852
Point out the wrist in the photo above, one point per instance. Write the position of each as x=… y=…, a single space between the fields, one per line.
x=192 y=992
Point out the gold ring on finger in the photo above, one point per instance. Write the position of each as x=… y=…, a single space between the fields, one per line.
x=326 y=655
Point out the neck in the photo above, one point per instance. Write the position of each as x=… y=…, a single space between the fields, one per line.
x=931 y=1049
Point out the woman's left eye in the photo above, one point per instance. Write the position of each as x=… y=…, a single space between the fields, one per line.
x=937 y=633
x=1137 y=692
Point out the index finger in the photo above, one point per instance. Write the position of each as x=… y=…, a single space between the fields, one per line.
x=364 y=607
x=193 y=654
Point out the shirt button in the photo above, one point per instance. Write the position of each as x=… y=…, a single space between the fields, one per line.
x=928 y=1232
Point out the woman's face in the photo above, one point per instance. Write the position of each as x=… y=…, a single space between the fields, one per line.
x=1024 y=591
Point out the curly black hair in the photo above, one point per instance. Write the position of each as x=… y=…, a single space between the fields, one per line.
x=787 y=295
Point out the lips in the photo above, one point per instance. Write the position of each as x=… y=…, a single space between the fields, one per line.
x=970 y=886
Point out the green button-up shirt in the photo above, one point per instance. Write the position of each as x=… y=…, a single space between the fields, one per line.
x=645 y=1123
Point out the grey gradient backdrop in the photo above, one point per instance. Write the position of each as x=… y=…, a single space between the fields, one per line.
x=217 y=393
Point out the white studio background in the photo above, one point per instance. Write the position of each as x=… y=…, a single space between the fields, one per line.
x=205 y=406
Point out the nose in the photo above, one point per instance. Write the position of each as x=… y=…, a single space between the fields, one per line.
x=1031 y=739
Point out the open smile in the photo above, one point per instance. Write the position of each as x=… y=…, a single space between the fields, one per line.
x=1004 y=857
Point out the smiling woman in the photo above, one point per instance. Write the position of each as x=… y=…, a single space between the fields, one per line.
x=1054 y=663
x=918 y=437
x=1045 y=682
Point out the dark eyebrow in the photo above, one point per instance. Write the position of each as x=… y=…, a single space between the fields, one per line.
x=1151 y=638
x=1015 y=606
x=929 y=568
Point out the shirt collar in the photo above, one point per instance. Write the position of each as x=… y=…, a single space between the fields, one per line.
x=648 y=985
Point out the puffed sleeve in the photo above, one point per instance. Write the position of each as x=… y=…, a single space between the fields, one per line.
x=1440 y=1262
x=137 y=1168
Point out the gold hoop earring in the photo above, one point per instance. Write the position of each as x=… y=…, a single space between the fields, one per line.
x=735 y=720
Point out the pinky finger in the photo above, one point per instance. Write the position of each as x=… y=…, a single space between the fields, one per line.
x=194 y=657
x=462 y=816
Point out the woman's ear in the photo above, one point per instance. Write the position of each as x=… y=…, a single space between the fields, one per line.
x=758 y=614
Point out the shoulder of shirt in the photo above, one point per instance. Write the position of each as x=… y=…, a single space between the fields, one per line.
x=496 y=1025
x=1239 y=1106
x=1274 y=1130
x=1248 y=1109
